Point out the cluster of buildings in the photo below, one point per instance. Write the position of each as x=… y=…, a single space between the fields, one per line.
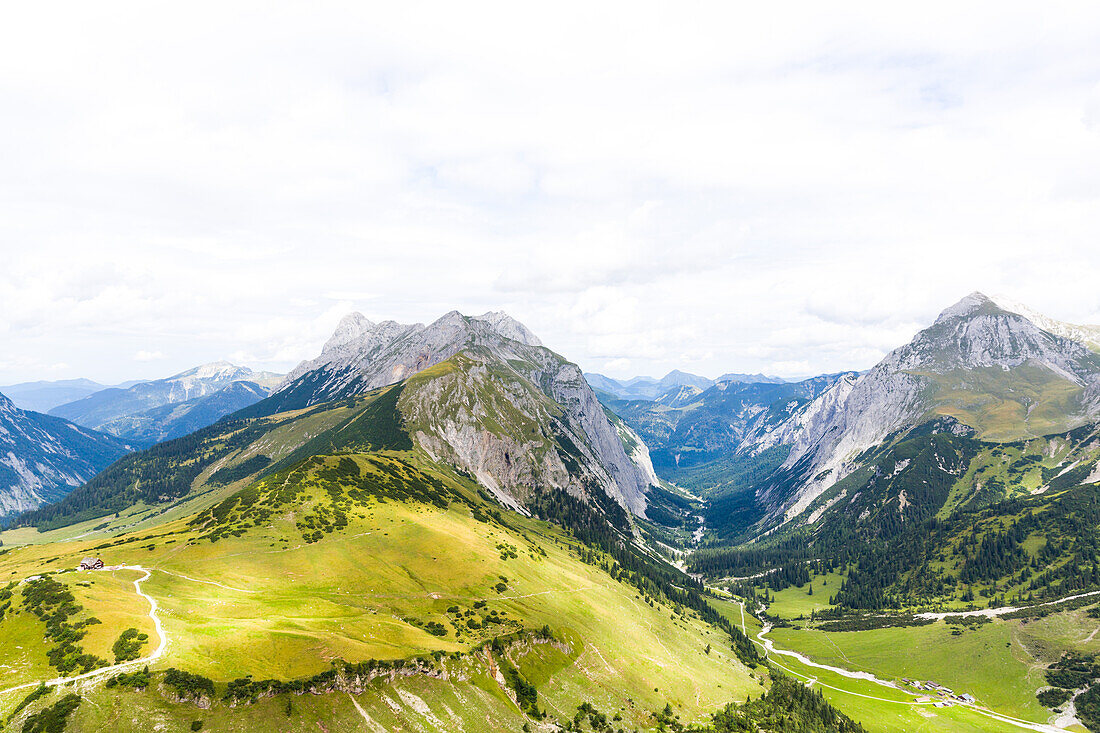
x=945 y=695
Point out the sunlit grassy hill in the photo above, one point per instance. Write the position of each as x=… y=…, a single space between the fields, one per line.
x=382 y=555
x=1028 y=401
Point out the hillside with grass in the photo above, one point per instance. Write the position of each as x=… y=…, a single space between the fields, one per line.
x=480 y=544
x=369 y=586
x=945 y=520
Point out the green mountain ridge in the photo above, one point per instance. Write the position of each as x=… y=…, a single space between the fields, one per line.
x=487 y=418
x=327 y=579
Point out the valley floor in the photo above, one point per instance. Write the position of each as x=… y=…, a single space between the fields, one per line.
x=1001 y=663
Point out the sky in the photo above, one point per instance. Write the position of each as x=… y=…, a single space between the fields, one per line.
x=785 y=188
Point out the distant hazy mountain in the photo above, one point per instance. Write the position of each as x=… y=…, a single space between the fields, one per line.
x=181 y=418
x=137 y=412
x=43 y=458
x=751 y=379
x=687 y=426
x=43 y=396
x=667 y=387
x=604 y=384
x=647 y=388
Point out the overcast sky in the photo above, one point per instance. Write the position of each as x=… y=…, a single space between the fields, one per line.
x=783 y=188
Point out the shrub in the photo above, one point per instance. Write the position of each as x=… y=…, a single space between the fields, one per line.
x=53 y=718
x=1053 y=697
x=128 y=645
x=189 y=686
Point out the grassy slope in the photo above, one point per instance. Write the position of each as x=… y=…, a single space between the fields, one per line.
x=794 y=601
x=410 y=704
x=347 y=594
x=1029 y=401
x=279 y=437
x=881 y=709
x=999 y=484
x=983 y=662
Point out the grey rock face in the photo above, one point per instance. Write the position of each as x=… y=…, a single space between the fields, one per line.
x=503 y=412
x=42 y=458
x=858 y=413
x=509 y=327
x=976 y=332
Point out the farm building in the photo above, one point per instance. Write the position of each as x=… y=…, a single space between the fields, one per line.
x=91 y=563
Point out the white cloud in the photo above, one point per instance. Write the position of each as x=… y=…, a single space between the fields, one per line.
x=148 y=356
x=617 y=368
x=728 y=189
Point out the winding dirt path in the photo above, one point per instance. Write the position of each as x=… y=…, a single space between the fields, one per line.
x=207 y=582
x=115 y=668
x=991 y=612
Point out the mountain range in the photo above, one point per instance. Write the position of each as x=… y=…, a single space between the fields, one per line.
x=648 y=388
x=43 y=396
x=986 y=369
x=449 y=526
x=477 y=393
x=149 y=412
x=427 y=526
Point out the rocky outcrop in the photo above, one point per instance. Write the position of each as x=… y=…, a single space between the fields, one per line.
x=483 y=394
x=533 y=423
x=43 y=458
x=827 y=435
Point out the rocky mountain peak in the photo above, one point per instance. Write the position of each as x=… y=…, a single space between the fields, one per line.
x=974 y=303
x=507 y=410
x=1089 y=335
x=362 y=355
x=976 y=333
x=352 y=327
x=216 y=370
x=984 y=366
x=509 y=327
